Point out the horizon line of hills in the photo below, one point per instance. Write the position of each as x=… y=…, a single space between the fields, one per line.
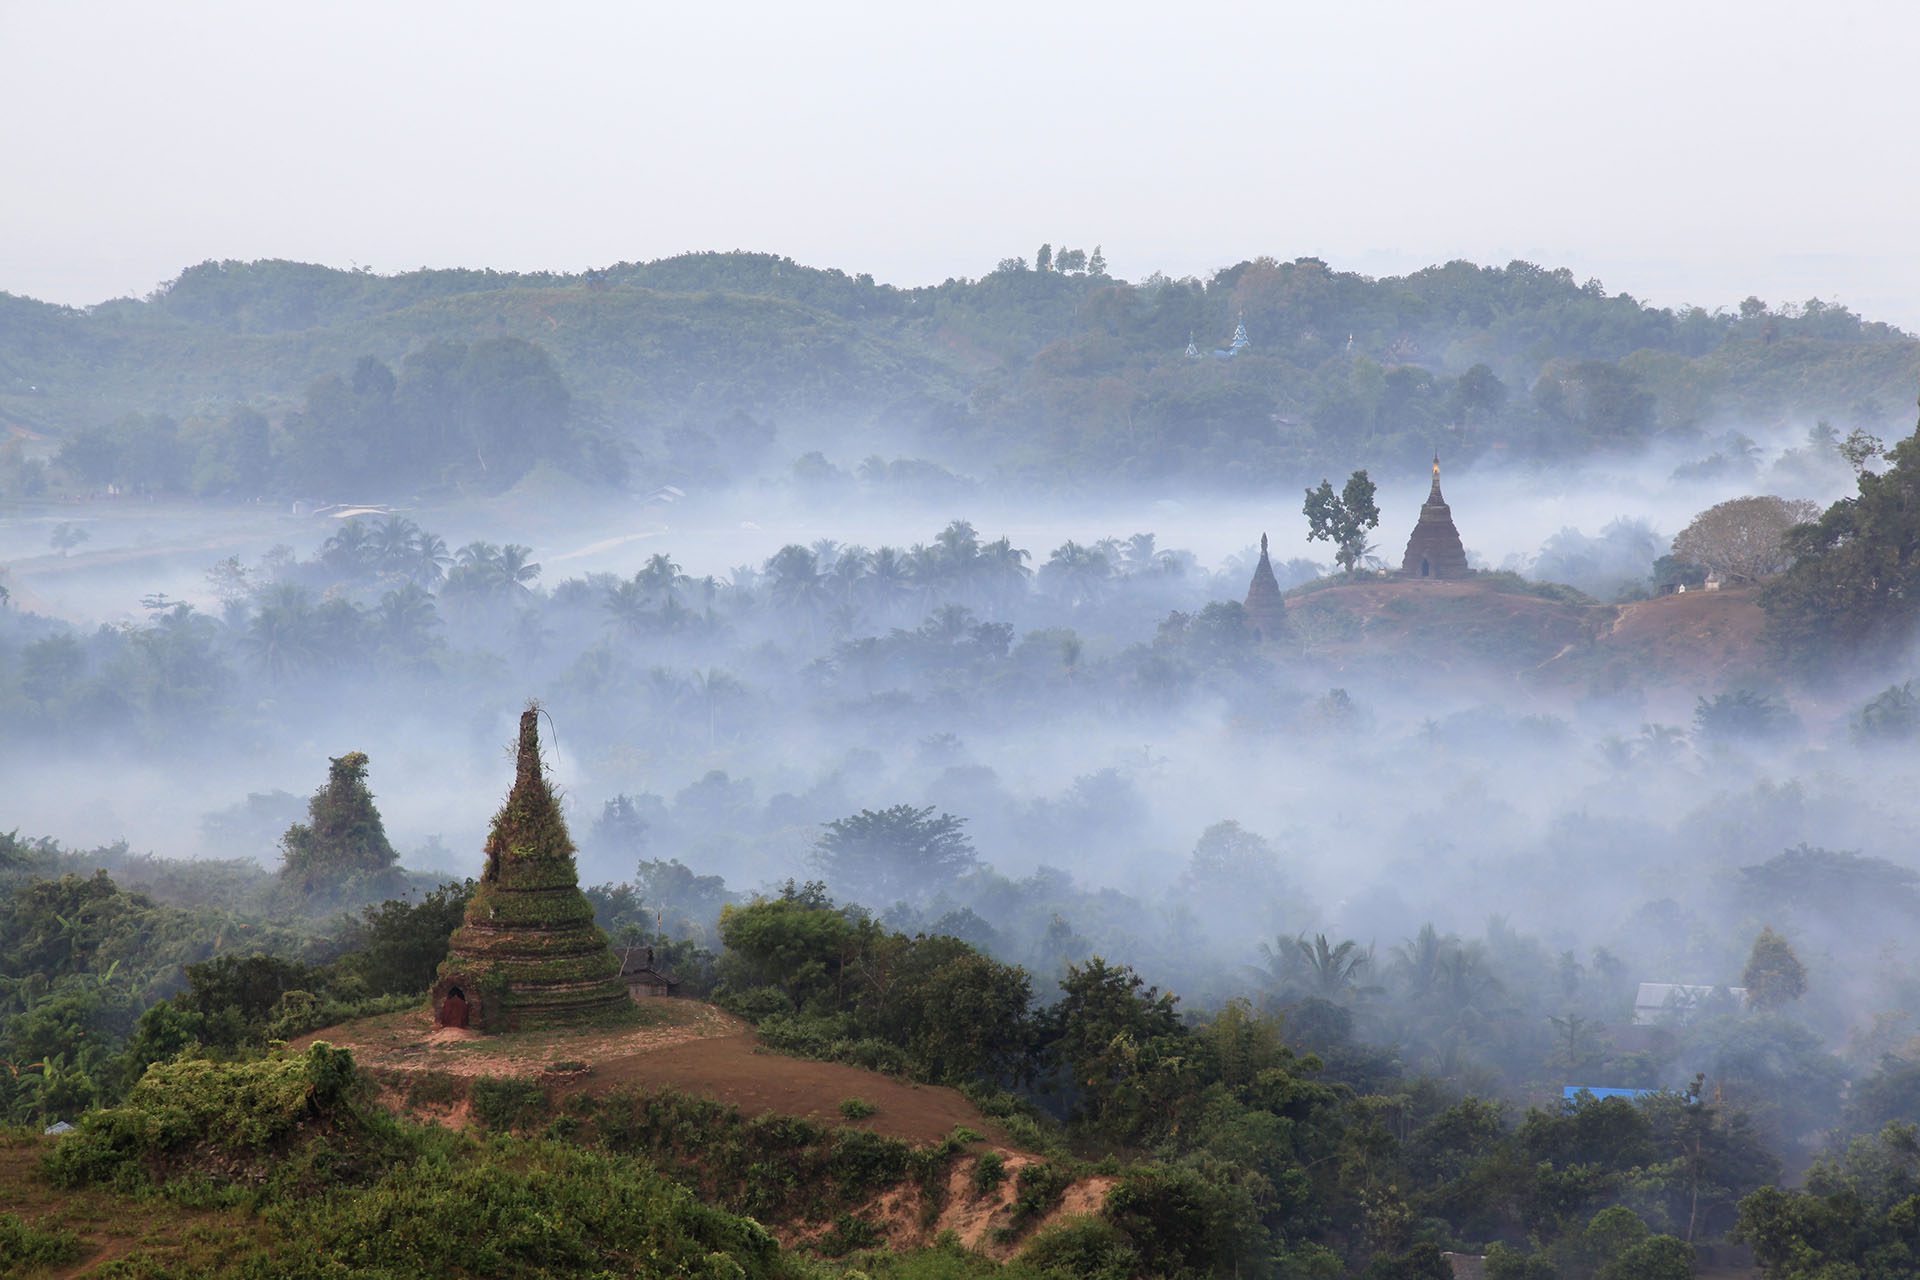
x=692 y=367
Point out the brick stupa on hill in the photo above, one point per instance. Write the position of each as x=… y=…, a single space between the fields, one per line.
x=1434 y=550
x=1266 y=606
x=528 y=954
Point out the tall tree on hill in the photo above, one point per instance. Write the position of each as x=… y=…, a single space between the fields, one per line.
x=1854 y=586
x=1743 y=538
x=1774 y=975
x=341 y=850
x=1344 y=518
x=881 y=856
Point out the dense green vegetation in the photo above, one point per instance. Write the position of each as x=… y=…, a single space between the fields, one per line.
x=1251 y=1138
x=683 y=371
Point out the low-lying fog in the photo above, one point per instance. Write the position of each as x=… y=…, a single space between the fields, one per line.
x=739 y=716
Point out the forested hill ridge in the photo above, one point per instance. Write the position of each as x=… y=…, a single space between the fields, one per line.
x=706 y=367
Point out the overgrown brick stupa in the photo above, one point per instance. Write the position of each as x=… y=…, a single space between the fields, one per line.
x=528 y=954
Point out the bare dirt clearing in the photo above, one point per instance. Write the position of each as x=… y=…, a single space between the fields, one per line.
x=686 y=1045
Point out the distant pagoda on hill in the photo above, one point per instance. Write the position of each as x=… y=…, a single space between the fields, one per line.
x=1434 y=550
x=1266 y=607
x=528 y=954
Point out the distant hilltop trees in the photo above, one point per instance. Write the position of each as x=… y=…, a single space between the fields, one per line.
x=689 y=369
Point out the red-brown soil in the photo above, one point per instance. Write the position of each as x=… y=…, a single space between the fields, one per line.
x=1409 y=632
x=686 y=1045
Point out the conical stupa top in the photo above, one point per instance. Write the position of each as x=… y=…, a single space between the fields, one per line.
x=1265 y=606
x=1433 y=495
x=528 y=830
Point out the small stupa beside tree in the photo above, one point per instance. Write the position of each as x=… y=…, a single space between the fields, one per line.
x=528 y=954
x=341 y=854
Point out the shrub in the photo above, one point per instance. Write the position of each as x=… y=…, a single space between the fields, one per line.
x=508 y=1102
x=989 y=1171
x=849 y=1233
x=856 y=1108
x=1085 y=1247
x=193 y=1104
x=25 y=1248
x=1036 y=1191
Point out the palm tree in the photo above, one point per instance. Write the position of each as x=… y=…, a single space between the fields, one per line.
x=393 y=543
x=350 y=551
x=1076 y=573
x=797 y=584
x=626 y=602
x=430 y=560
x=1331 y=972
x=846 y=573
x=1416 y=962
x=888 y=581
x=513 y=573
x=281 y=636
x=1003 y=566
x=659 y=576
x=1139 y=553
x=948 y=623
x=405 y=619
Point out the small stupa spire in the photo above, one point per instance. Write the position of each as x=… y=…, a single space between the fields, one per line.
x=1434 y=494
x=1266 y=607
x=1240 y=339
x=1193 y=352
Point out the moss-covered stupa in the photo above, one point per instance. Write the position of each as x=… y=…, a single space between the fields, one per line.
x=528 y=954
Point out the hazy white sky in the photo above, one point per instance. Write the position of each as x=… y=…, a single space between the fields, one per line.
x=1682 y=152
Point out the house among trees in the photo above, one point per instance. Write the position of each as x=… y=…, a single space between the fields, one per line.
x=528 y=953
x=644 y=979
x=1670 y=1003
x=1266 y=608
x=1434 y=550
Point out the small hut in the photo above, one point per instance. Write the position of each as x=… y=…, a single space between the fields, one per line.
x=644 y=978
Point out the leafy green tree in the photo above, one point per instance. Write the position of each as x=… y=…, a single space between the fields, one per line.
x=1890 y=716
x=884 y=855
x=1343 y=519
x=1119 y=1043
x=1774 y=976
x=1853 y=1218
x=395 y=947
x=1741 y=715
x=1854 y=586
x=798 y=943
x=341 y=850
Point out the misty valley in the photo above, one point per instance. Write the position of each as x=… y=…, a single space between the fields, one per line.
x=714 y=767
